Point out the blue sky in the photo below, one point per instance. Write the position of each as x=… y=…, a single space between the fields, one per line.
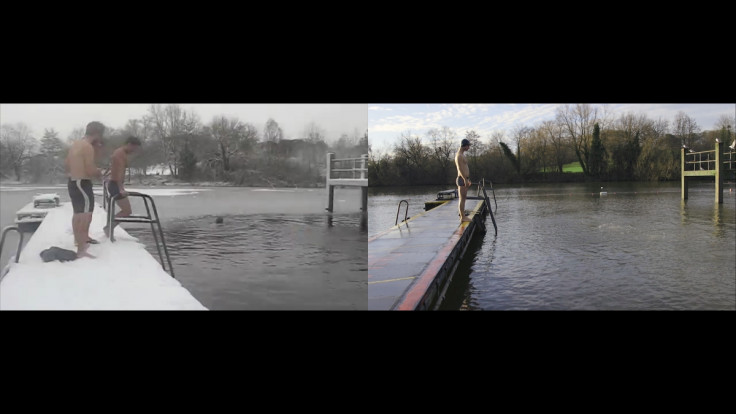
x=387 y=121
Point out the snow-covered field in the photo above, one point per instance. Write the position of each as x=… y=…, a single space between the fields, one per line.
x=123 y=276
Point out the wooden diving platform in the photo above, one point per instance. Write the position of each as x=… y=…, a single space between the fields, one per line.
x=705 y=164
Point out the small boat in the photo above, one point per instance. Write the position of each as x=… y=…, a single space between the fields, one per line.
x=603 y=192
x=32 y=214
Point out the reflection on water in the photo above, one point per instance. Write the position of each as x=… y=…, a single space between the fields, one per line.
x=563 y=246
x=269 y=261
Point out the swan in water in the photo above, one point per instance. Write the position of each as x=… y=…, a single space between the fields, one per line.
x=603 y=192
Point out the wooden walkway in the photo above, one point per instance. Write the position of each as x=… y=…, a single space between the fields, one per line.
x=411 y=265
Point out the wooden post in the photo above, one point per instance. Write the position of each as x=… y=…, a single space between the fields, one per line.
x=363 y=166
x=683 y=186
x=719 y=173
x=330 y=197
x=364 y=212
x=330 y=187
x=364 y=199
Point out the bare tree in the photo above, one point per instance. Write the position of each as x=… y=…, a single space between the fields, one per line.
x=686 y=129
x=727 y=126
x=536 y=148
x=172 y=126
x=443 y=141
x=18 y=145
x=578 y=120
x=519 y=134
x=272 y=132
x=726 y=121
x=476 y=149
x=313 y=135
x=631 y=123
x=497 y=137
x=228 y=133
x=555 y=132
x=411 y=149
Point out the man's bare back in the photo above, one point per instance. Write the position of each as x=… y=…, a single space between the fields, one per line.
x=119 y=162
x=80 y=161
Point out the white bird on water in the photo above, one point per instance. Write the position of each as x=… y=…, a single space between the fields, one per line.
x=603 y=192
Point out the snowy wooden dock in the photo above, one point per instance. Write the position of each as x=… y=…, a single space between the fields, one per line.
x=123 y=276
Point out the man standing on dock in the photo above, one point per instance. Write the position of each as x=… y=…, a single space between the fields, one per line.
x=80 y=164
x=463 y=177
x=115 y=185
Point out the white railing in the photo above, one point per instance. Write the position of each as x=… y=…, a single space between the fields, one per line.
x=347 y=168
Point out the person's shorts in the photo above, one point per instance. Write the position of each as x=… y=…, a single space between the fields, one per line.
x=80 y=192
x=113 y=189
x=460 y=182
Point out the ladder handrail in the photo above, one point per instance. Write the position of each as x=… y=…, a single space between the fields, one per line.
x=141 y=219
x=20 y=241
x=406 y=211
x=482 y=186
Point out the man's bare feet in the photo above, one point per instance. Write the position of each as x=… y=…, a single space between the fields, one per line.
x=85 y=254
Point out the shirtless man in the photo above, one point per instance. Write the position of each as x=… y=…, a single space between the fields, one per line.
x=115 y=186
x=463 y=177
x=81 y=168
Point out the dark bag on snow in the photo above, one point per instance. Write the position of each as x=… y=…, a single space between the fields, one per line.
x=57 y=253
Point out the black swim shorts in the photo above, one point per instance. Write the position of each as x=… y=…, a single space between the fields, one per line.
x=113 y=189
x=80 y=192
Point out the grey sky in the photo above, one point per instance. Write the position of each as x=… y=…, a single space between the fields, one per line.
x=336 y=119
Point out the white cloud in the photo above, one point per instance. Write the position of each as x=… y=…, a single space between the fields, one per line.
x=379 y=108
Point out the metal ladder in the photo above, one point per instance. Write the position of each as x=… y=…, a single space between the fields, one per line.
x=482 y=187
x=108 y=204
x=20 y=241
x=406 y=211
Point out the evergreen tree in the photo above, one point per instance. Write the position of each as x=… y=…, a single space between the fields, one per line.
x=596 y=160
x=188 y=163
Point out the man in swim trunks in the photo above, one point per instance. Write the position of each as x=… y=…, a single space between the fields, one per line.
x=81 y=168
x=115 y=185
x=463 y=177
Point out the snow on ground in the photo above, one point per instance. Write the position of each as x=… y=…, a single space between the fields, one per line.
x=123 y=276
x=158 y=192
x=31 y=188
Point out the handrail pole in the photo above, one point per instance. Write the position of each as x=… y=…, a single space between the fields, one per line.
x=406 y=212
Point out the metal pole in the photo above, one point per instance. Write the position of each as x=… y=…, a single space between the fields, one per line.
x=330 y=188
x=683 y=183
x=163 y=241
x=719 y=174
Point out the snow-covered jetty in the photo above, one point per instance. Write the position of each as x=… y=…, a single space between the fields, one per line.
x=122 y=276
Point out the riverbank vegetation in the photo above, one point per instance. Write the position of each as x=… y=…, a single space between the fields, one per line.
x=179 y=147
x=582 y=142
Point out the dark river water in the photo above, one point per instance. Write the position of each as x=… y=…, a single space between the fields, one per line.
x=276 y=249
x=564 y=246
